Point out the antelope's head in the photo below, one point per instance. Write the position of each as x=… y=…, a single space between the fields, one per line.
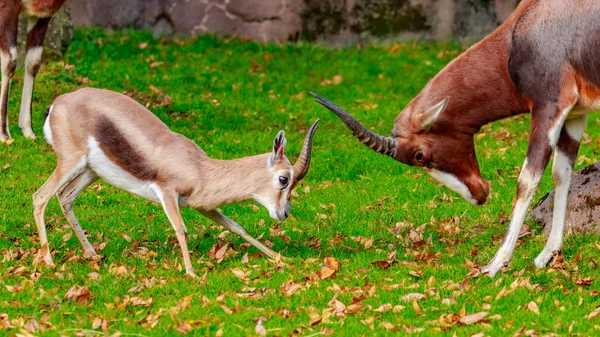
x=421 y=138
x=282 y=175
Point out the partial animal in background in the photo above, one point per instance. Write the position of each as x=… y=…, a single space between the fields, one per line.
x=39 y=13
x=103 y=134
x=543 y=60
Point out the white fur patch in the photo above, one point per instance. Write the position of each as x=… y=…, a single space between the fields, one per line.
x=47 y=128
x=116 y=176
x=576 y=127
x=554 y=132
x=269 y=205
x=450 y=181
x=33 y=56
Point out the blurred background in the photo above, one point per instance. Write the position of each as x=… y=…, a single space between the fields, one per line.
x=339 y=22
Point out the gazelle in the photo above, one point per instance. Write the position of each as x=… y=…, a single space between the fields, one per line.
x=543 y=60
x=103 y=134
x=39 y=13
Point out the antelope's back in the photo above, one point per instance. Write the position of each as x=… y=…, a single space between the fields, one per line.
x=552 y=39
x=109 y=117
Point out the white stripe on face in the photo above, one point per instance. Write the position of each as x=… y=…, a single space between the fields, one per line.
x=450 y=181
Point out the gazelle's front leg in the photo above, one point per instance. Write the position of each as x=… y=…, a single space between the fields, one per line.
x=224 y=221
x=562 y=170
x=170 y=204
x=546 y=124
x=36 y=30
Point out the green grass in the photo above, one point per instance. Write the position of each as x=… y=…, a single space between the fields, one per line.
x=231 y=97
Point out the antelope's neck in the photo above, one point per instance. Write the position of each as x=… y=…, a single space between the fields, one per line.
x=479 y=85
x=223 y=182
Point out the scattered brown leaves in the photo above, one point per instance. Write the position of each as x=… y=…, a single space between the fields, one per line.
x=78 y=294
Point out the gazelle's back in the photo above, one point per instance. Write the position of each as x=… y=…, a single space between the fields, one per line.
x=118 y=138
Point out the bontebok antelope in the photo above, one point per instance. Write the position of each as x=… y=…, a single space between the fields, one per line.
x=543 y=60
x=103 y=134
x=38 y=14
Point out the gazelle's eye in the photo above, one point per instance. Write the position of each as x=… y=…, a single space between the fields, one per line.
x=284 y=180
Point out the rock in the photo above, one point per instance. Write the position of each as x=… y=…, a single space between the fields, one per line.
x=186 y=15
x=58 y=36
x=106 y=13
x=583 y=205
x=255 y=10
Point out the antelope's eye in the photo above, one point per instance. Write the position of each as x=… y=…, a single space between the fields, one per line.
x=419 y=156
x=284 y=180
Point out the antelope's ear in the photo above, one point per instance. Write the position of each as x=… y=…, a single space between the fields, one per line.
x=278 y=147
x=425 y=120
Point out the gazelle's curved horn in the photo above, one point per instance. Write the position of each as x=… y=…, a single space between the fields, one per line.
x=378 y=143
x=303 y=163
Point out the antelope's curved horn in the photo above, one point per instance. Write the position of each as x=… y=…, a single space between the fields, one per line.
x=382 y=144
x=303 y=163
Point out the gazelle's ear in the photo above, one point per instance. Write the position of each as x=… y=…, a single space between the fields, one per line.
x=278 y=147
x=425 y=120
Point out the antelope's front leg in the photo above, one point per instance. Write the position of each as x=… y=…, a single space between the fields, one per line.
x=36 y=30
x=233 y=226
x=562 y=170
x=545 y=128
x=171 y=208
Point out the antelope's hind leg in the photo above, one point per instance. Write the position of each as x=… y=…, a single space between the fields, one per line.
x=170 y=204
x=9 y=19
x=547 y=121
x=36 y=30
x=67 y=196
x=233 y=226
x=562 y=170
x=62 y=176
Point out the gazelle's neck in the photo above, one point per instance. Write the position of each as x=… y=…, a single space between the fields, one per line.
x=223 y=182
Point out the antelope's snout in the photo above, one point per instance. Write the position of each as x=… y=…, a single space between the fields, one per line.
x=480 y=191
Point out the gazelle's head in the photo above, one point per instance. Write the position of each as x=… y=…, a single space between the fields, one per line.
x=282 y=176
x=422 y=139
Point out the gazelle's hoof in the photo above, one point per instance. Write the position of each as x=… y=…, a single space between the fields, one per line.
x=89 y=254
x=44 y=259
x=191 y=274
x=4 y=138
x=28 y=133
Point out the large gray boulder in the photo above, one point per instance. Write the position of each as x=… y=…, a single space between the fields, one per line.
x=58 y=35
x=583 y=207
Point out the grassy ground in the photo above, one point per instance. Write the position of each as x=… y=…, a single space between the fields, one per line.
x=407 y=246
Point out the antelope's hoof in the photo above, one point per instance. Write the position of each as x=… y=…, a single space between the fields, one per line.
x=28 y=133
x=191 y=274
x=4 y=138
x=545 y=257
x=492 y=268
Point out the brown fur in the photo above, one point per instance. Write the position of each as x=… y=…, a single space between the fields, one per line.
x=38 y=12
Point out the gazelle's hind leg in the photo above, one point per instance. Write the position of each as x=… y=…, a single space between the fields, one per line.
x=36 y=30
x=62 y=175
x=562 y=170
x=8 y=63
x=66 y=196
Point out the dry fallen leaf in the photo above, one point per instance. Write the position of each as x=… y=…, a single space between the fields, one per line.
x=332 y=263
x=474 y=318
x=260 y=329
x=78 y=294
x=533 y=307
